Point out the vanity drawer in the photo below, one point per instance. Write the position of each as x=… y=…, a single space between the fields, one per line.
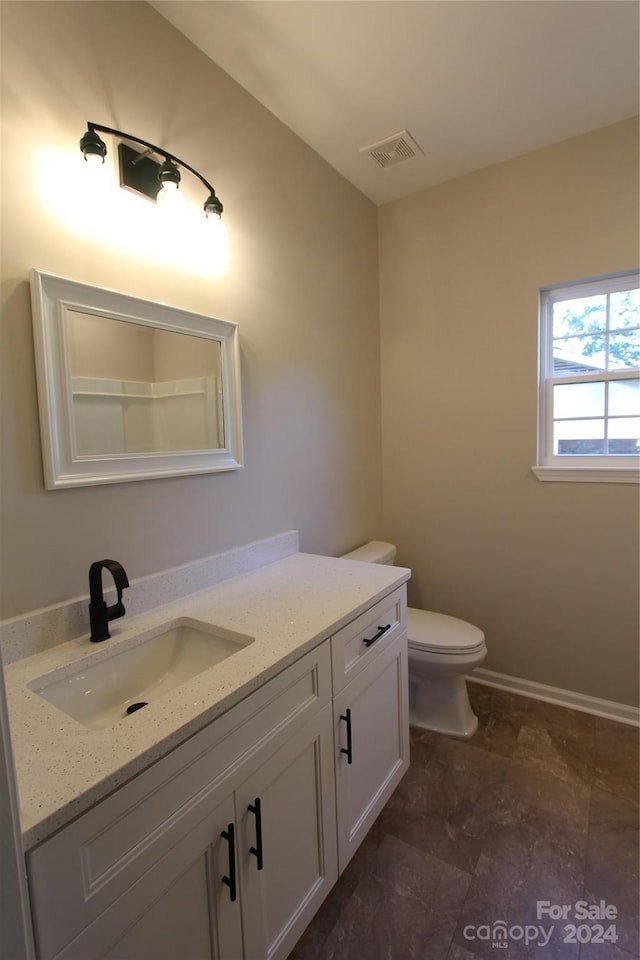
x=78 y=873
x=357 y=644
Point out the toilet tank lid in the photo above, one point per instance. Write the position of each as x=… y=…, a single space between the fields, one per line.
x=438 y=631
x=376 y=551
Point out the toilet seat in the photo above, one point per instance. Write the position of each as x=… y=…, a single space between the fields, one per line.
x=440 y=633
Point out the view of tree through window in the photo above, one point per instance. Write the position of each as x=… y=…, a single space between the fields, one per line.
x=586 y=328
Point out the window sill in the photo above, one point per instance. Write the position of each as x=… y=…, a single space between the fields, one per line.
x=588 y=474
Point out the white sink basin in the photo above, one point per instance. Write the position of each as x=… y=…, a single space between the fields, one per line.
x=101 y=691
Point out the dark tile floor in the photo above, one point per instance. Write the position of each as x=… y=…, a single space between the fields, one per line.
x=540 y=805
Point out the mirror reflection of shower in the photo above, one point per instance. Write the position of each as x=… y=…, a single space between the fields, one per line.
x=137 y=389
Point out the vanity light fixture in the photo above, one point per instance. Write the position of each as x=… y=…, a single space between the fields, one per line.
x=140 y=172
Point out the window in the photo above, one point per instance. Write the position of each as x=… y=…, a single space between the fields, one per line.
x=589 y=390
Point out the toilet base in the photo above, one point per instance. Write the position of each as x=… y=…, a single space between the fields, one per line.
x=442 y=706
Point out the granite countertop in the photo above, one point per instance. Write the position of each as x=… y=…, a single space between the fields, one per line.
x=289 y=607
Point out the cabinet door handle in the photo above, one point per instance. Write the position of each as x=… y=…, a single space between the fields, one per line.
x=381 y=632
x=255 y=808
x=230 y=836
x=349 y=750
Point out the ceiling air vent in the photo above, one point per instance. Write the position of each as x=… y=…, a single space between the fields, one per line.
x=400 y=148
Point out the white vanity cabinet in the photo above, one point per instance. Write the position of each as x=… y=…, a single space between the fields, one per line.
x=370 y=684
x=148 y=873
x=225 y=848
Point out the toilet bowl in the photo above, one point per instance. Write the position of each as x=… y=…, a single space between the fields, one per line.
x=442 y=649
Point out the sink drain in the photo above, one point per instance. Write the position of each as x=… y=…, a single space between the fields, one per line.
x=136 y=706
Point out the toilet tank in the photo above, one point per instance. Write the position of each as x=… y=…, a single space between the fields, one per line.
x=376 y=551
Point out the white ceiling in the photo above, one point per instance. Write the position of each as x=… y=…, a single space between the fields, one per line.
x=474 y=81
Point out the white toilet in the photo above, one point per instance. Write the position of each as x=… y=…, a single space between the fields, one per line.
x=441 y=650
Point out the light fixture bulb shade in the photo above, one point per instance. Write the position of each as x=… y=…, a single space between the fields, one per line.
x=169 y=174
x=93 y=147
x=213 y=207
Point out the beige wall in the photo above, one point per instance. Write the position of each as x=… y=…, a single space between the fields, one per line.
x=549 y=570
x=302 y=284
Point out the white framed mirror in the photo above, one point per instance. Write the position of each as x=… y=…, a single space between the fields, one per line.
x=129 y=389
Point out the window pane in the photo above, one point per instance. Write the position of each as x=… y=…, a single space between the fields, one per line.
x=578 y=437
x=578 y=400
x=624 y=309
x=624 y=398
x=574 y=355
x=589 y=397
x=624 y=350
x=584 y=315
x=624 y=436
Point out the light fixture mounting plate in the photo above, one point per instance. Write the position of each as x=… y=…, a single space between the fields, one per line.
x=138 y=172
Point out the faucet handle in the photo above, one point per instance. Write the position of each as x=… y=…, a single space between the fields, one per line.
x=116 y=610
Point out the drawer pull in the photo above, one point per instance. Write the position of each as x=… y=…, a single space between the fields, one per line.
x=230 y=836
x=349 y=749
x=255 y=808
x=381 y=632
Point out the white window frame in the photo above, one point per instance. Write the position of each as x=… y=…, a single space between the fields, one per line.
x=603 y=468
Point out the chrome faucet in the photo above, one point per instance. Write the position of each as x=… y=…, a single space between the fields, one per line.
x=99 y=613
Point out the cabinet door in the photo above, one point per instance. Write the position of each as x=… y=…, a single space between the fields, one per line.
x=372 y=744
x=180 y=908
x=295 y=834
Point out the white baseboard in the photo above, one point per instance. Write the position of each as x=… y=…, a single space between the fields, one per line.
x=621 y=712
